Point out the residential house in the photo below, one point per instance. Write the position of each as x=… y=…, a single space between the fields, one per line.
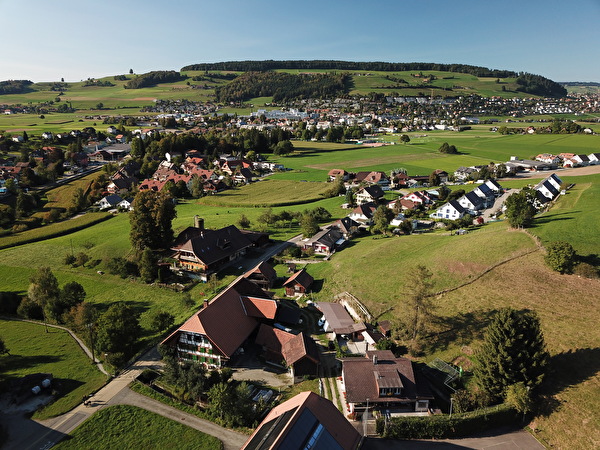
x=126 y=204
x=109 y=202
x=548 y=189
x=348 y=227
x=47 y=135
x=304 y=421
x=369 y=194
x=298 y=352
x=263 y=275
x=471 y=202
x=335 y=173
x=216 y=332
x=363 y=213
x=451 y=210
x=494 y=186
x=325 y=242
x=298 y=284
x=581 y=160
x=594 y=158
x=463 y=173
x=201 y=251
x=442 y=174
x=379 y=178
x=337 y=320
x=385 y=382
x=420 y=197
x=486 y=194
x=242 y=175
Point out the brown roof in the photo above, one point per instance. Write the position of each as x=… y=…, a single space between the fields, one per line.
x=282 y=426
x=338 y=318
x=298 y=347
x=211 y=246
x=223 y=321
x=265 y=269
x=363 y=378
x=302 y=278
x=261 y=308
x=245 y=287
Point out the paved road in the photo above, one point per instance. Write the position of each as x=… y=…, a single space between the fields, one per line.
x=500 y=439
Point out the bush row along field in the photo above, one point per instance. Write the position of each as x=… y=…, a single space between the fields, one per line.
x=123 y=426
x=55 y=352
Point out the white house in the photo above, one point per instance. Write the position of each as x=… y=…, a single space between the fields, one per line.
x=471 y=202
x=451 y=210
x=110 y=201
x=594 y=158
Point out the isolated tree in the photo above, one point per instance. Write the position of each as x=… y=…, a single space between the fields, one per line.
x=72 y=294
x=43 y=289
x=3 y=348
x=309 y=225
x=419 y=301
x=520 y=210
x=244 y=222
x=381 y=219
x=151 y=220
x=130 y=71
x=99 y=105
x=118 y=329
x=404 y=139
x=560 y=256
x=283 y=148
x=434 y=179
x=513 y=351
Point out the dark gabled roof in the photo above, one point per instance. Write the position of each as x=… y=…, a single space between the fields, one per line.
x=457 y=206
x=366 y=209
x=558 y=180
x=374 y=191
x=494 y=183
x=473 y=198
x=262 y=269
x=248 y=288
x=113 y=199
x=346 y=224
x=211 y=246
x=302 y=278
x=485 y=189
x=291 y=424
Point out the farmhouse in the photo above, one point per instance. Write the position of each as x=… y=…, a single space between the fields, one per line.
x=385 y=382
x=304 y=421
x=216 y=332
x=263 y=275
x=202 y=251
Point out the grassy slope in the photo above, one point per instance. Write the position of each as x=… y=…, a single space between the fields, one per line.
x=124 y=426
x=34 y=351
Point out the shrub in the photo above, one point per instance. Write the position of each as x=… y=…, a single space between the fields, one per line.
x=560 y=256
x=586 y=270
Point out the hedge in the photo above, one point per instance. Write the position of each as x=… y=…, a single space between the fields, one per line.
x=443 y=426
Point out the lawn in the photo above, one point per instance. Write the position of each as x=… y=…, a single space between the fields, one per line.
x=123 y=426
x=32 y=350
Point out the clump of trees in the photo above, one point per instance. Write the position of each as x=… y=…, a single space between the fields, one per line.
x=153 y=78
x=446 y=148
x=151 y=221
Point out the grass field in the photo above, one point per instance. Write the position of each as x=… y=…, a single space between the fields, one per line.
x=268 y=192
x=123 y=426
x=32 y=350
x=313 y=160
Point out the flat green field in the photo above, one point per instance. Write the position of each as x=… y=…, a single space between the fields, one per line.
x=268 y=192
x=313 y=160
x=123 y=426
x=32 y=350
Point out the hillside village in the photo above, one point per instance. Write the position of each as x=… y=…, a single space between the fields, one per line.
x=259 y=325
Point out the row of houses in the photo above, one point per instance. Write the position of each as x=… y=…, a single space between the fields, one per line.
x=482 y=197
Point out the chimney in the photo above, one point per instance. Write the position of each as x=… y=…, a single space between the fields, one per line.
x=374 y=360
x=198 y=222
x=205 y=304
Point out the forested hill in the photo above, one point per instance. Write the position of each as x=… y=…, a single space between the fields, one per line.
x=532 y=84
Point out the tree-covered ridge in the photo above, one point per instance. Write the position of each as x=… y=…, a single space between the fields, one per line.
x=282 y=86
x=14 y=86
x=154 y=78
x=538 y=85
x=534 y=84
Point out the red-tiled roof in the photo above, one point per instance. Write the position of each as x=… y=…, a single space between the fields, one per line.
x=261 y=308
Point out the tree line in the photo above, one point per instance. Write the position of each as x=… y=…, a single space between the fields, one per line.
x=14 y=86
x=282 y=86
x=153 y=78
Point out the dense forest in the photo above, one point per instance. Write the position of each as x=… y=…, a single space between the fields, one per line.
x=533 y=84
x=538 y=85
x=14 y=86
x=282 y=86
x=153 y=78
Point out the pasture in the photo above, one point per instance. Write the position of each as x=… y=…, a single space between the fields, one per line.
x=124 y=426
x=32 y=350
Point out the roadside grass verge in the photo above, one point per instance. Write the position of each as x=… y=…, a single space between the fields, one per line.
x=62 y=196
x=32 y=350
x=124 y=426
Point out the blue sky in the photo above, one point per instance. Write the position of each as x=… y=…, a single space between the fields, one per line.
x=45 y=40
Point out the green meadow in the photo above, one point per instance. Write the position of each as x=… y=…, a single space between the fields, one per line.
x=124 y=426
x=32 y=350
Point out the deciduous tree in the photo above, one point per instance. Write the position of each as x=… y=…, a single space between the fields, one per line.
x=118 y=329
x=520 y=209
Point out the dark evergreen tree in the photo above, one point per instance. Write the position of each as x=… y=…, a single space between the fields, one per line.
x=118 y=329
x=151 y=220
x=513 y=351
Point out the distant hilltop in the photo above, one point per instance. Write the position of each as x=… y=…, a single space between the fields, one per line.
x=529 y=83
